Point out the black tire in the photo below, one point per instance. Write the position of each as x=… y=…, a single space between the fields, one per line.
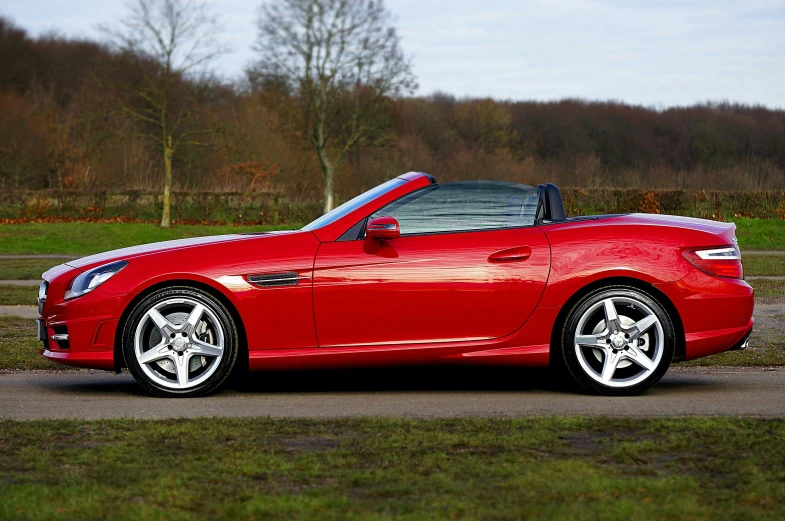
x=217 y=313
x=575 y=364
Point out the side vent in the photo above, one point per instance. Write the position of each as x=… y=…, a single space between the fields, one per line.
x=290 y=278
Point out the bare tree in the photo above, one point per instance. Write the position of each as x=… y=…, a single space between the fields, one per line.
x=170 y=41
x=342 y=62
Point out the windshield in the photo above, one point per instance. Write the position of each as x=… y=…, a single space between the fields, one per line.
x=353 y=204
x=464 y=206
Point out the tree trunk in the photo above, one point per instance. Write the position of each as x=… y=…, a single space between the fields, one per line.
x=328 y=189
x=328 y=171
x=165 y=221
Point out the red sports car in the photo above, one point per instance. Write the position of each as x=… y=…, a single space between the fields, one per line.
x=410 y=272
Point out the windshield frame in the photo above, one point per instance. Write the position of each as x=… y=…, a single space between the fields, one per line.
x=353 y=204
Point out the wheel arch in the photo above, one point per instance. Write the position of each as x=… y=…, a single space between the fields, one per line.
x=242 y=355
x=659 y=296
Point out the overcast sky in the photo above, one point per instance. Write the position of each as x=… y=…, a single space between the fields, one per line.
x=656 y=53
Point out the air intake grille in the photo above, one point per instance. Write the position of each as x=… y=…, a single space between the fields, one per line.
x=290 y=278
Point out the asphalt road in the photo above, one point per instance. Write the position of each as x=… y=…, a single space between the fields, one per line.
x=19 y=311
x=410 y=392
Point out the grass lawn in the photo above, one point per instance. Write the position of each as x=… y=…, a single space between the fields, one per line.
x=18 y=295
x=768 y=288
x=88 y=238
x=19 y=348
x=26 y=269
x=702 y=469
x=760 y=234
x=763 y=265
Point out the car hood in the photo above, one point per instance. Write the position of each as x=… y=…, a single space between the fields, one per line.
x=158 y=247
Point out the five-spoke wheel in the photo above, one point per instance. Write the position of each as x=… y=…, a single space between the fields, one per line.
x=180 y=342
x=617 y=341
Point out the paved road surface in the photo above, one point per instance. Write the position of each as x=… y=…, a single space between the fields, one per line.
x=36 y=282
x=19 y=311
x=413 y=392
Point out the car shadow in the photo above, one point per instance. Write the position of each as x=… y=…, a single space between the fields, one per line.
x=387 y=379
x=403 y=379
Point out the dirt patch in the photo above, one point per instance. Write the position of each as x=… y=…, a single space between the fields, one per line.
x=309 y=444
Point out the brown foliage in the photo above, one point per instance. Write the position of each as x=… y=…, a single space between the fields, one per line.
x=60 y=129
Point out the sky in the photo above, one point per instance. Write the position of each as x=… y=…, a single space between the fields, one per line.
x=653 y=53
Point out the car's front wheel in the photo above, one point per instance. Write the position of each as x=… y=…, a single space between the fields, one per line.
x=180 y=342
x=617 y=341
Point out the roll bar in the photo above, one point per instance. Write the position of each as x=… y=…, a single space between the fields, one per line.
x=550 y=207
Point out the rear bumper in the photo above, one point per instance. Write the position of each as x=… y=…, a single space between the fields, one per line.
x=716 y=312
x=744 y=343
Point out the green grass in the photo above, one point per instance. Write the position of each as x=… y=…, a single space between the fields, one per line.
x=19 y=348
x=760 y=354
x=760 y=234
x=87 y=238
x=79 y=238
x=768 y=288
x=701 y=469
x=18 y=295
x=763 y=265
x=26 y=269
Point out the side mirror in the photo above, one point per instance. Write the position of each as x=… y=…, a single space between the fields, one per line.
x=382 y=228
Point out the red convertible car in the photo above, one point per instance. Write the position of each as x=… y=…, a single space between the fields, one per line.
x=410 y=272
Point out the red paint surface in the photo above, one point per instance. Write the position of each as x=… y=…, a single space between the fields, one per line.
x=490 y=297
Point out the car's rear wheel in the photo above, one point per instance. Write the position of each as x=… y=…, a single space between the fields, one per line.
x=180 y=342
x=617 y=341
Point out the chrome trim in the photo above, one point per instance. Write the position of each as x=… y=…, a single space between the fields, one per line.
x=40 y=327
x=60 y=337
x=42 y=291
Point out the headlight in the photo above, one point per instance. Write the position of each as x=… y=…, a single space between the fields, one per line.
x=89 y=280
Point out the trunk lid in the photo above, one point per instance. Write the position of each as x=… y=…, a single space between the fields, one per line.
x=725 y=231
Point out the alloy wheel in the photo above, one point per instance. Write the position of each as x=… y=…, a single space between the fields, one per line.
x=619 y=341
x=179 y=343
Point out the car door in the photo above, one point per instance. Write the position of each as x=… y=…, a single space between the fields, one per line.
x=468 y=266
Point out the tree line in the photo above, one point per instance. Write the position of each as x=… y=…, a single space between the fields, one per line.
x=308 y=121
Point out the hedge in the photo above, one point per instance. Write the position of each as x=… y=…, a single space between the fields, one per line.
x=269 y=208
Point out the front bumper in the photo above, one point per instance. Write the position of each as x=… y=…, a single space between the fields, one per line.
x=81 y=332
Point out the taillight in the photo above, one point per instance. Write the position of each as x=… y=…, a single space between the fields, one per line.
x=720 y=262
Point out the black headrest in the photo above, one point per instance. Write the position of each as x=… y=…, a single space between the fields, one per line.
x=551 y=199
